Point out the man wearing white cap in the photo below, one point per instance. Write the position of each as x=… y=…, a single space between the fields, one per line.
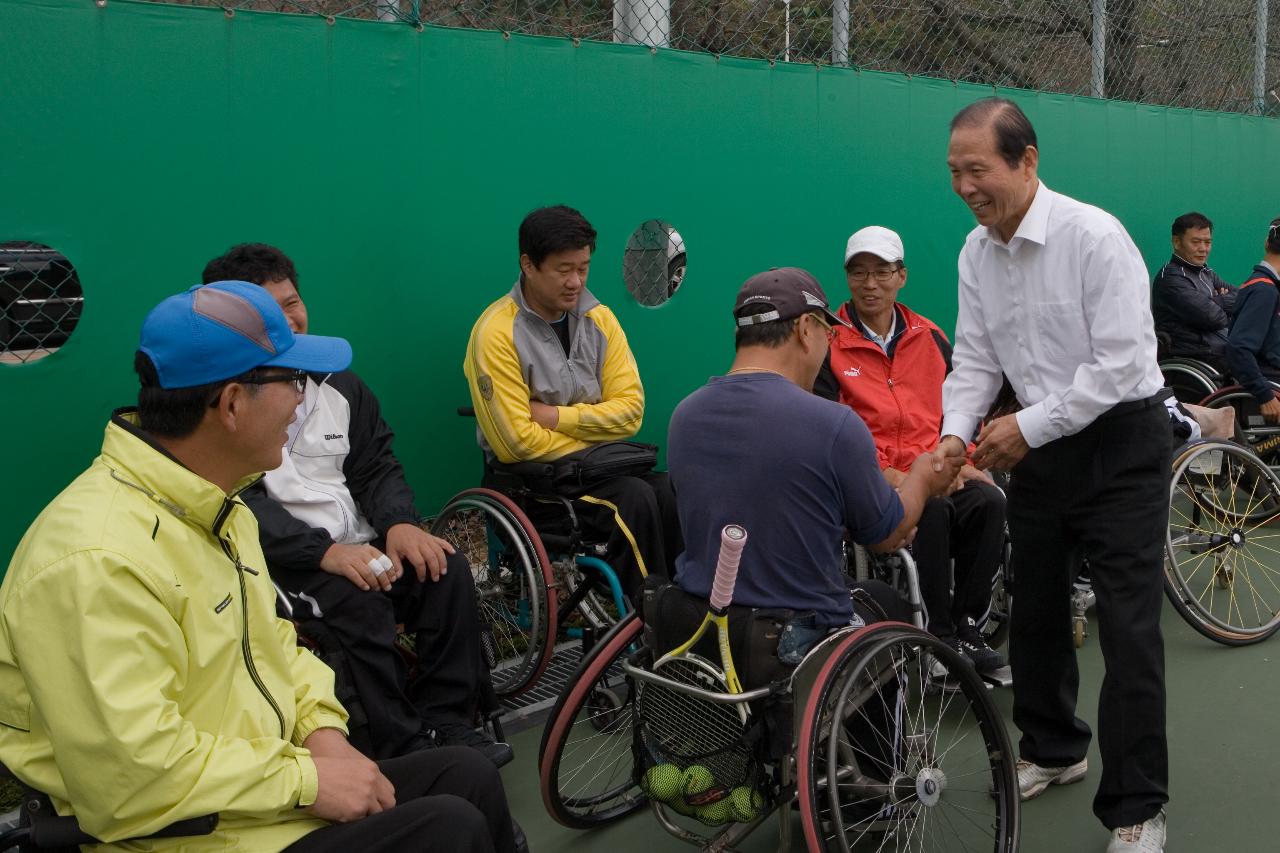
x=889 y=365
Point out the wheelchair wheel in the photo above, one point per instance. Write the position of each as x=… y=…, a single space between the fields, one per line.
x=514 y=593
x=1191 y=380
x=585 y=761
x=882 y=761
x=1222 y=564
x=596 y=608
x=1252 y=430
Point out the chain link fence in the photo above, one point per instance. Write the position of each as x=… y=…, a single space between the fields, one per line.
x=40 y=301
x=1208 y=54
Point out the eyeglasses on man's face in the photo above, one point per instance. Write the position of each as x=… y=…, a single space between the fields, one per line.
x=880 y=276
x=826 y=327
x=297 y=377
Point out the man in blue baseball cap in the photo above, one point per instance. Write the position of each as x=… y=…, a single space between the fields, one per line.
x=144 y=676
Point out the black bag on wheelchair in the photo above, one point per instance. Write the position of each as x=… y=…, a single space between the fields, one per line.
x=605 y=461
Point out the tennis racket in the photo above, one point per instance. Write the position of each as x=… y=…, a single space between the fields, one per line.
x=732 y=540
x=702 y=738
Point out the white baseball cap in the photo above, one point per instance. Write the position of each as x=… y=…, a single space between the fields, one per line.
x=877 y=240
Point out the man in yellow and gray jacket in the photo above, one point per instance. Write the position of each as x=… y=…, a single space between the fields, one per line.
x=144 y=676
x=551 y=375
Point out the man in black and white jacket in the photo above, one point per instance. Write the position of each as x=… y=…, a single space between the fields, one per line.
x=340 y=532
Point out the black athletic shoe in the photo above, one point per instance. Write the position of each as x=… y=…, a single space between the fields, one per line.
x=457 y=733
x=970 y=643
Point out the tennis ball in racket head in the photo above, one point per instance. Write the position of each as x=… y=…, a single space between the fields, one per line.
x=715 y=813
x=662 y=782
x=696 y=780
x=745 y=803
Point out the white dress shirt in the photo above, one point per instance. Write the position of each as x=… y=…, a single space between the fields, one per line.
x=1063 y=309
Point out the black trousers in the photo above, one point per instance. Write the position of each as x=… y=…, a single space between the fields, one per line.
x=636 y=516
x=442 y=614
x=969 y=527
x=1103 y=492
x=448 y=800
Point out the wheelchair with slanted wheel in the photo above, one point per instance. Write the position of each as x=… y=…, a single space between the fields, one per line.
x=852 y=737
x=540 y=579
x=1222 y=563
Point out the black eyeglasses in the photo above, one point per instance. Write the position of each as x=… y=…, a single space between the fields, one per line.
x=297 y=377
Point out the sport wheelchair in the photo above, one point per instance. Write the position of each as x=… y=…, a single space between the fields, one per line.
x=853 y=737
x=536 y=580
x=1222 y=567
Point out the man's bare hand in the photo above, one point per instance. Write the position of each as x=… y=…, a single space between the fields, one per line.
x=330 y=743
x=968 y=474
x=937 y=474
x=426 y=553
x=948 y=447
x=1271 y=411
x=352 y=562
x=547 y=417
x=1000 y=445
x=350 y=788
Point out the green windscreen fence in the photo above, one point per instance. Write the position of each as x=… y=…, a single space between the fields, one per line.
x=394 y=165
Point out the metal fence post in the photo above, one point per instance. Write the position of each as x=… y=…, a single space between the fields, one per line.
x=1097 y=84
x=642 y=22
x=1260 y=59
x=840 y=32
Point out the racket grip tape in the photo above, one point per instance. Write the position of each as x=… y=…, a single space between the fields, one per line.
x=732 y=539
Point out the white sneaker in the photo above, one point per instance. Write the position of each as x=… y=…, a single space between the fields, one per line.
x=1033 y=779
x=1145 y=837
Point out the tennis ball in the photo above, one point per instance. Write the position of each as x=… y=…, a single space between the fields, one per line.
x=682 y=807
x=745 y=804
x=714 y=813
x=696 y=780
x=662 y=781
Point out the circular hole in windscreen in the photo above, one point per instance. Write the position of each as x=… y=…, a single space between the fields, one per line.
x=40 y=301
x=654 y=262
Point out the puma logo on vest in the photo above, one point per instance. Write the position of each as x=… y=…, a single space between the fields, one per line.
x=852 y=371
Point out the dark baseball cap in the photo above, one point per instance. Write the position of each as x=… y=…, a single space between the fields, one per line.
x=789 y=291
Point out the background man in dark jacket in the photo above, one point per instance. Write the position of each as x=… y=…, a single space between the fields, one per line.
x=1191 y=303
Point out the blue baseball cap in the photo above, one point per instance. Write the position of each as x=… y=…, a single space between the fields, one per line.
x=214 y=332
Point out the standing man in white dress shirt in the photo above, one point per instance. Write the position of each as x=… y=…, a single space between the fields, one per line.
x=1053 y=293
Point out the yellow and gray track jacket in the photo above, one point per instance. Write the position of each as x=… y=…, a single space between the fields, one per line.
x=144 y=675
x=514 y=356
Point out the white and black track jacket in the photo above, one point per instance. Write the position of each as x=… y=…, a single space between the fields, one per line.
x=339 y=481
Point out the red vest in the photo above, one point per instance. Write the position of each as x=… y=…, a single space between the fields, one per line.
x=900 y=400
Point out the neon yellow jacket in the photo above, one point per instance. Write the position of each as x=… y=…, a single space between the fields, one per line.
x=514 y=356
x=144 y=676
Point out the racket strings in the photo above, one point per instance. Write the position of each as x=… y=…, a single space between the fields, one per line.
x=682 y=729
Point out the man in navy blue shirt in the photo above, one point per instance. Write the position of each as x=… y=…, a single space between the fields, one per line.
x=1253 y=344
x=754 y=447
